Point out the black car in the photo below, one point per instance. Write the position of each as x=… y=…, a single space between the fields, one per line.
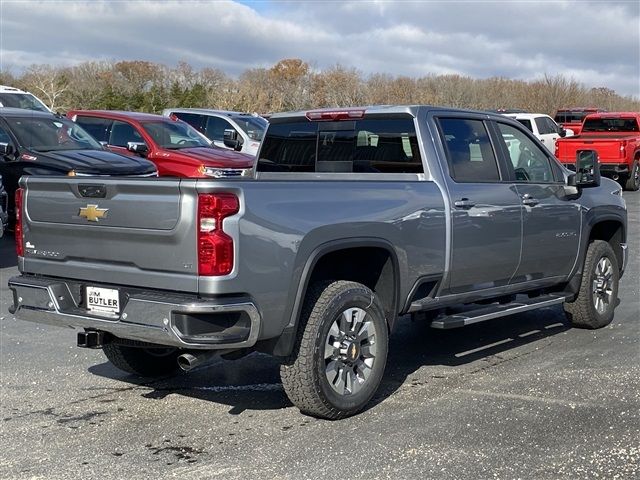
x=4 y=200
x=40 y=143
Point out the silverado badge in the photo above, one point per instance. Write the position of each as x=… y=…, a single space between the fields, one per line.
x=93 y=213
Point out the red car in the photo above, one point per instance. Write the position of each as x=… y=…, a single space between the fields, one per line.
x=177 y=149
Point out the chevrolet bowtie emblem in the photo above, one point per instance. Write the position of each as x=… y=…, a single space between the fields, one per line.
x=93 y=213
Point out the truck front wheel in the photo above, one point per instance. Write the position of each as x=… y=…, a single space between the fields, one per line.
x=341 y=351
x=598 y=295
x=633 y=182
x=146 y=362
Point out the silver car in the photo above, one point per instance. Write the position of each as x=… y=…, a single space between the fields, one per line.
x=233 y=130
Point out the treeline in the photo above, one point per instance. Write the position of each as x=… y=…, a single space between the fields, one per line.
x=292 y=84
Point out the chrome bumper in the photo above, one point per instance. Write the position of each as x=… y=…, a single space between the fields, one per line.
x=146 y=316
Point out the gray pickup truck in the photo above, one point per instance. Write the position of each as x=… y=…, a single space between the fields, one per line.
x=349 y=219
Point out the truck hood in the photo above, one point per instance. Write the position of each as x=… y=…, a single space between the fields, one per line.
x=214 y=157
x=98 y=162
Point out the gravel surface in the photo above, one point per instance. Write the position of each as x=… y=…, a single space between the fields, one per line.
x=519 y=397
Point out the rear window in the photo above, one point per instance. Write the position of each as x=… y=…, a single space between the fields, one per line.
x=355 y=146
x=610 y=125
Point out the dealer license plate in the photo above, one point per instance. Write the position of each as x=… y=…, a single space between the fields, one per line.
x=104 y=300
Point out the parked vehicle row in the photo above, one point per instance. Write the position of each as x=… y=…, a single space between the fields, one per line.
x=349 y=219
x=176 y=148
x=543 y=128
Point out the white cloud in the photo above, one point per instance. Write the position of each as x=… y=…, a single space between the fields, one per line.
x=597 y=43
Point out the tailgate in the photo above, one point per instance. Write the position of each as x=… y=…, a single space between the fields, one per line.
x=608 y=149
x=123 y=231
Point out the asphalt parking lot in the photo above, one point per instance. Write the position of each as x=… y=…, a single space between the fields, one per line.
x=519 y=397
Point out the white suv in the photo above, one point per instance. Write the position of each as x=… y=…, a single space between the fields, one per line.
x=543 y=127
x=16 y=98
x=233 y=130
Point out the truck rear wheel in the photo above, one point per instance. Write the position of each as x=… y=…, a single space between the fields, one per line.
x=146 y=362
x=341 y=351
x=598 y=295
x=633 y=182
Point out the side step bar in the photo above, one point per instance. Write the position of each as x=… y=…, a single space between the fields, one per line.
x=489 y=312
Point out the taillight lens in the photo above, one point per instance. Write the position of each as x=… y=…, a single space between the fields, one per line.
x=333 y=115
x=18 y=228
x=215 y=248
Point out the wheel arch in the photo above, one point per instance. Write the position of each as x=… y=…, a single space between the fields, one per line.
x=370 y=261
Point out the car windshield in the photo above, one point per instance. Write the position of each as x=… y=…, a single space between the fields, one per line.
x=254 y=127
x=22 y=100
x=44 y=134
x=174 y=135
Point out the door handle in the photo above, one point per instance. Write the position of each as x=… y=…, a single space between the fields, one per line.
x=529 y=200
x=464 y=203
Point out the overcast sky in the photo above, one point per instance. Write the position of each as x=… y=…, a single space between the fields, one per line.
x=596 y=43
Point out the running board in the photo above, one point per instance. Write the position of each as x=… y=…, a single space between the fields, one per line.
x=490 y=312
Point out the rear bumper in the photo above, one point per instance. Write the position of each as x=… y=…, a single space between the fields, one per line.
x=155 y=317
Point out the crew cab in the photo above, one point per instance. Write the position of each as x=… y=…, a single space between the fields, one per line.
x=352 y=218
x=543 y=128
x=177 y=149
x=41 y=143
x=616 y=138
x=572 y=118
x=234 y=130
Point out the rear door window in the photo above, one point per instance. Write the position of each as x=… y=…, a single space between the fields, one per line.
x=98 y=128
x=469 y=151
x=196 y=120
x=352 y=146
x=122 y=133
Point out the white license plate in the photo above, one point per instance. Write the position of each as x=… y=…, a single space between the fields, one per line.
x=105 y=300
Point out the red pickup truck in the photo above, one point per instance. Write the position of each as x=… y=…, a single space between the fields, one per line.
x=571 y=118
x=616 y=138
x=177 y=149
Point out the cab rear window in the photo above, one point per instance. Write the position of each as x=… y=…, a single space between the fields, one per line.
x=352 y=146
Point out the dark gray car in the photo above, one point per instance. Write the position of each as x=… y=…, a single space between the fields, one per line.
x=352 y=218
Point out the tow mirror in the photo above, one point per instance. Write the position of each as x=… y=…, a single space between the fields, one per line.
x=138 y=147
x=6 y=149
x=587 y=169
x=231 y=139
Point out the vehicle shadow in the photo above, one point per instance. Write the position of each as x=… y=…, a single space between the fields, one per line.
x=253 y=382
x=8 y=256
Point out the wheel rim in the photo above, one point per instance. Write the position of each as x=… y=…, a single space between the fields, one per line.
x=636 y=175
x=350 y=351
x=603 y=285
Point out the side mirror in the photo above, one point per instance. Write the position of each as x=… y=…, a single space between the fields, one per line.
x=6 y=149
x=562 y=132
x=138 y=147
x=587 y=169
x=231 y=139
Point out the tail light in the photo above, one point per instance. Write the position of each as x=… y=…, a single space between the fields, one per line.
x=623 y=149
x=18 y=228
x=215 y=248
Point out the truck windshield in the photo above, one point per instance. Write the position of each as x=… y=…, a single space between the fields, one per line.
x=22 y=100
x=174 y=135
x=359 y=146
x=610 y=125
x=254 y=127
x=43 y=134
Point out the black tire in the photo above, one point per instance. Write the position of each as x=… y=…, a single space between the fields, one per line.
x=633 y=182
x=583 y=312
x=327 y=306
x=146 y=362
